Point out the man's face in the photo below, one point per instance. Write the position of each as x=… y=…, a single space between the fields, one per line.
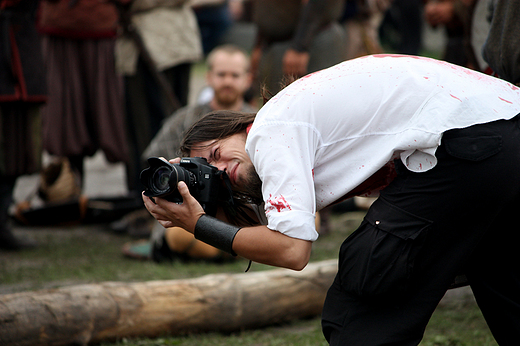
x=228 y=77
x=229 y=155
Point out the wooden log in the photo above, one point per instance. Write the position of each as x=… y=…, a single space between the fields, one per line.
x=82 y=314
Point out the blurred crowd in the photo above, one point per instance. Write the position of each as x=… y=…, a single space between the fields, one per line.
x=82 y=76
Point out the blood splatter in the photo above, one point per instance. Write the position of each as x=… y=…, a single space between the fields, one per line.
x=279 y=203
x=455 y=97
x=505 y=100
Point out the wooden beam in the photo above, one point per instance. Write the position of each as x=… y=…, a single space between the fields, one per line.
x=78 y=315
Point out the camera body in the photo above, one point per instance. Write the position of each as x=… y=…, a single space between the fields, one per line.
x=203 y=180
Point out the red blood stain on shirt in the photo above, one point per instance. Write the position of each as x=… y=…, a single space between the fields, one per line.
x=394 y=56
x=505 y=100
x=279 y=203
x=455 y=97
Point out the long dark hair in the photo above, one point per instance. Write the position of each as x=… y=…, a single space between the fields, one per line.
x=215 y=126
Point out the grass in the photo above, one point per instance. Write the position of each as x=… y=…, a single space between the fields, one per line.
x=92 y=253
x=458 y=325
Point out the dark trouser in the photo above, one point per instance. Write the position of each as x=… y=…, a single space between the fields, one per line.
x=460 y=216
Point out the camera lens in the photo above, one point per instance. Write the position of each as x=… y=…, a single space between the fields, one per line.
x=161 y=179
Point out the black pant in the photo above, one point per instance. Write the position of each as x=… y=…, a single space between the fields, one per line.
x=460 y=216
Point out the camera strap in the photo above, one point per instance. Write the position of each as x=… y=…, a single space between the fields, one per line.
x=230 y=207
x=228 y=193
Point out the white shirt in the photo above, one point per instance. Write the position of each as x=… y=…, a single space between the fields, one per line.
x=326 y=133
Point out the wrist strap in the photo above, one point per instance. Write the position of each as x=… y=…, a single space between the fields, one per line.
x=216 y=233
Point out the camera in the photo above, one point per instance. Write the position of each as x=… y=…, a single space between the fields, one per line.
x=203 y=180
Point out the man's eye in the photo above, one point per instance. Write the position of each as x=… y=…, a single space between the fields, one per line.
x=216 y=154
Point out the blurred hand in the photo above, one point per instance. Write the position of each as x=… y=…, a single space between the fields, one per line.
x=439 y=12
x=295 y=63
x=236 y=8
x=376 y=6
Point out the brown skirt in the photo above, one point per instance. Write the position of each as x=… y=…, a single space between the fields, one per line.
x=85 y=108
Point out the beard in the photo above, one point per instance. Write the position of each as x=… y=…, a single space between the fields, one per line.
x=227 y=96
x=251 y=187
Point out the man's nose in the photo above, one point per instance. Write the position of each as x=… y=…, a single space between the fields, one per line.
x=228 y=79
x=220 y=165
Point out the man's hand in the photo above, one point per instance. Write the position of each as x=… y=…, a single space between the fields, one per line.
x=439 y=12
x=170 y=214
x=295 y=63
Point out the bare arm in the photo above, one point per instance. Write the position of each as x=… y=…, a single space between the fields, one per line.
x=262 y=245
x=257 y=243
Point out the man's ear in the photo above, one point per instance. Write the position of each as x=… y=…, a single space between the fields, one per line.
x=208 y=78
x=249 y=80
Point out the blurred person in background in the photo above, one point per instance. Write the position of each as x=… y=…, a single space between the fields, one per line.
x=22 y=92
x=85 y=108
x=215 y=19
x=295 y=37
x=467 y=24
x=402 y=27
x=502 y=48
x=362 y=19
x=452 y=16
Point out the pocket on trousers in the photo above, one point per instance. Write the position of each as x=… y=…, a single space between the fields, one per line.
x=463 y=144
x=378 y=258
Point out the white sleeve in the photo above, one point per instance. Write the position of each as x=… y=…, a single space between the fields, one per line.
x=284 y=155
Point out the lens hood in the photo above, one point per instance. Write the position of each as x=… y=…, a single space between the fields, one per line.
x=159 y=177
